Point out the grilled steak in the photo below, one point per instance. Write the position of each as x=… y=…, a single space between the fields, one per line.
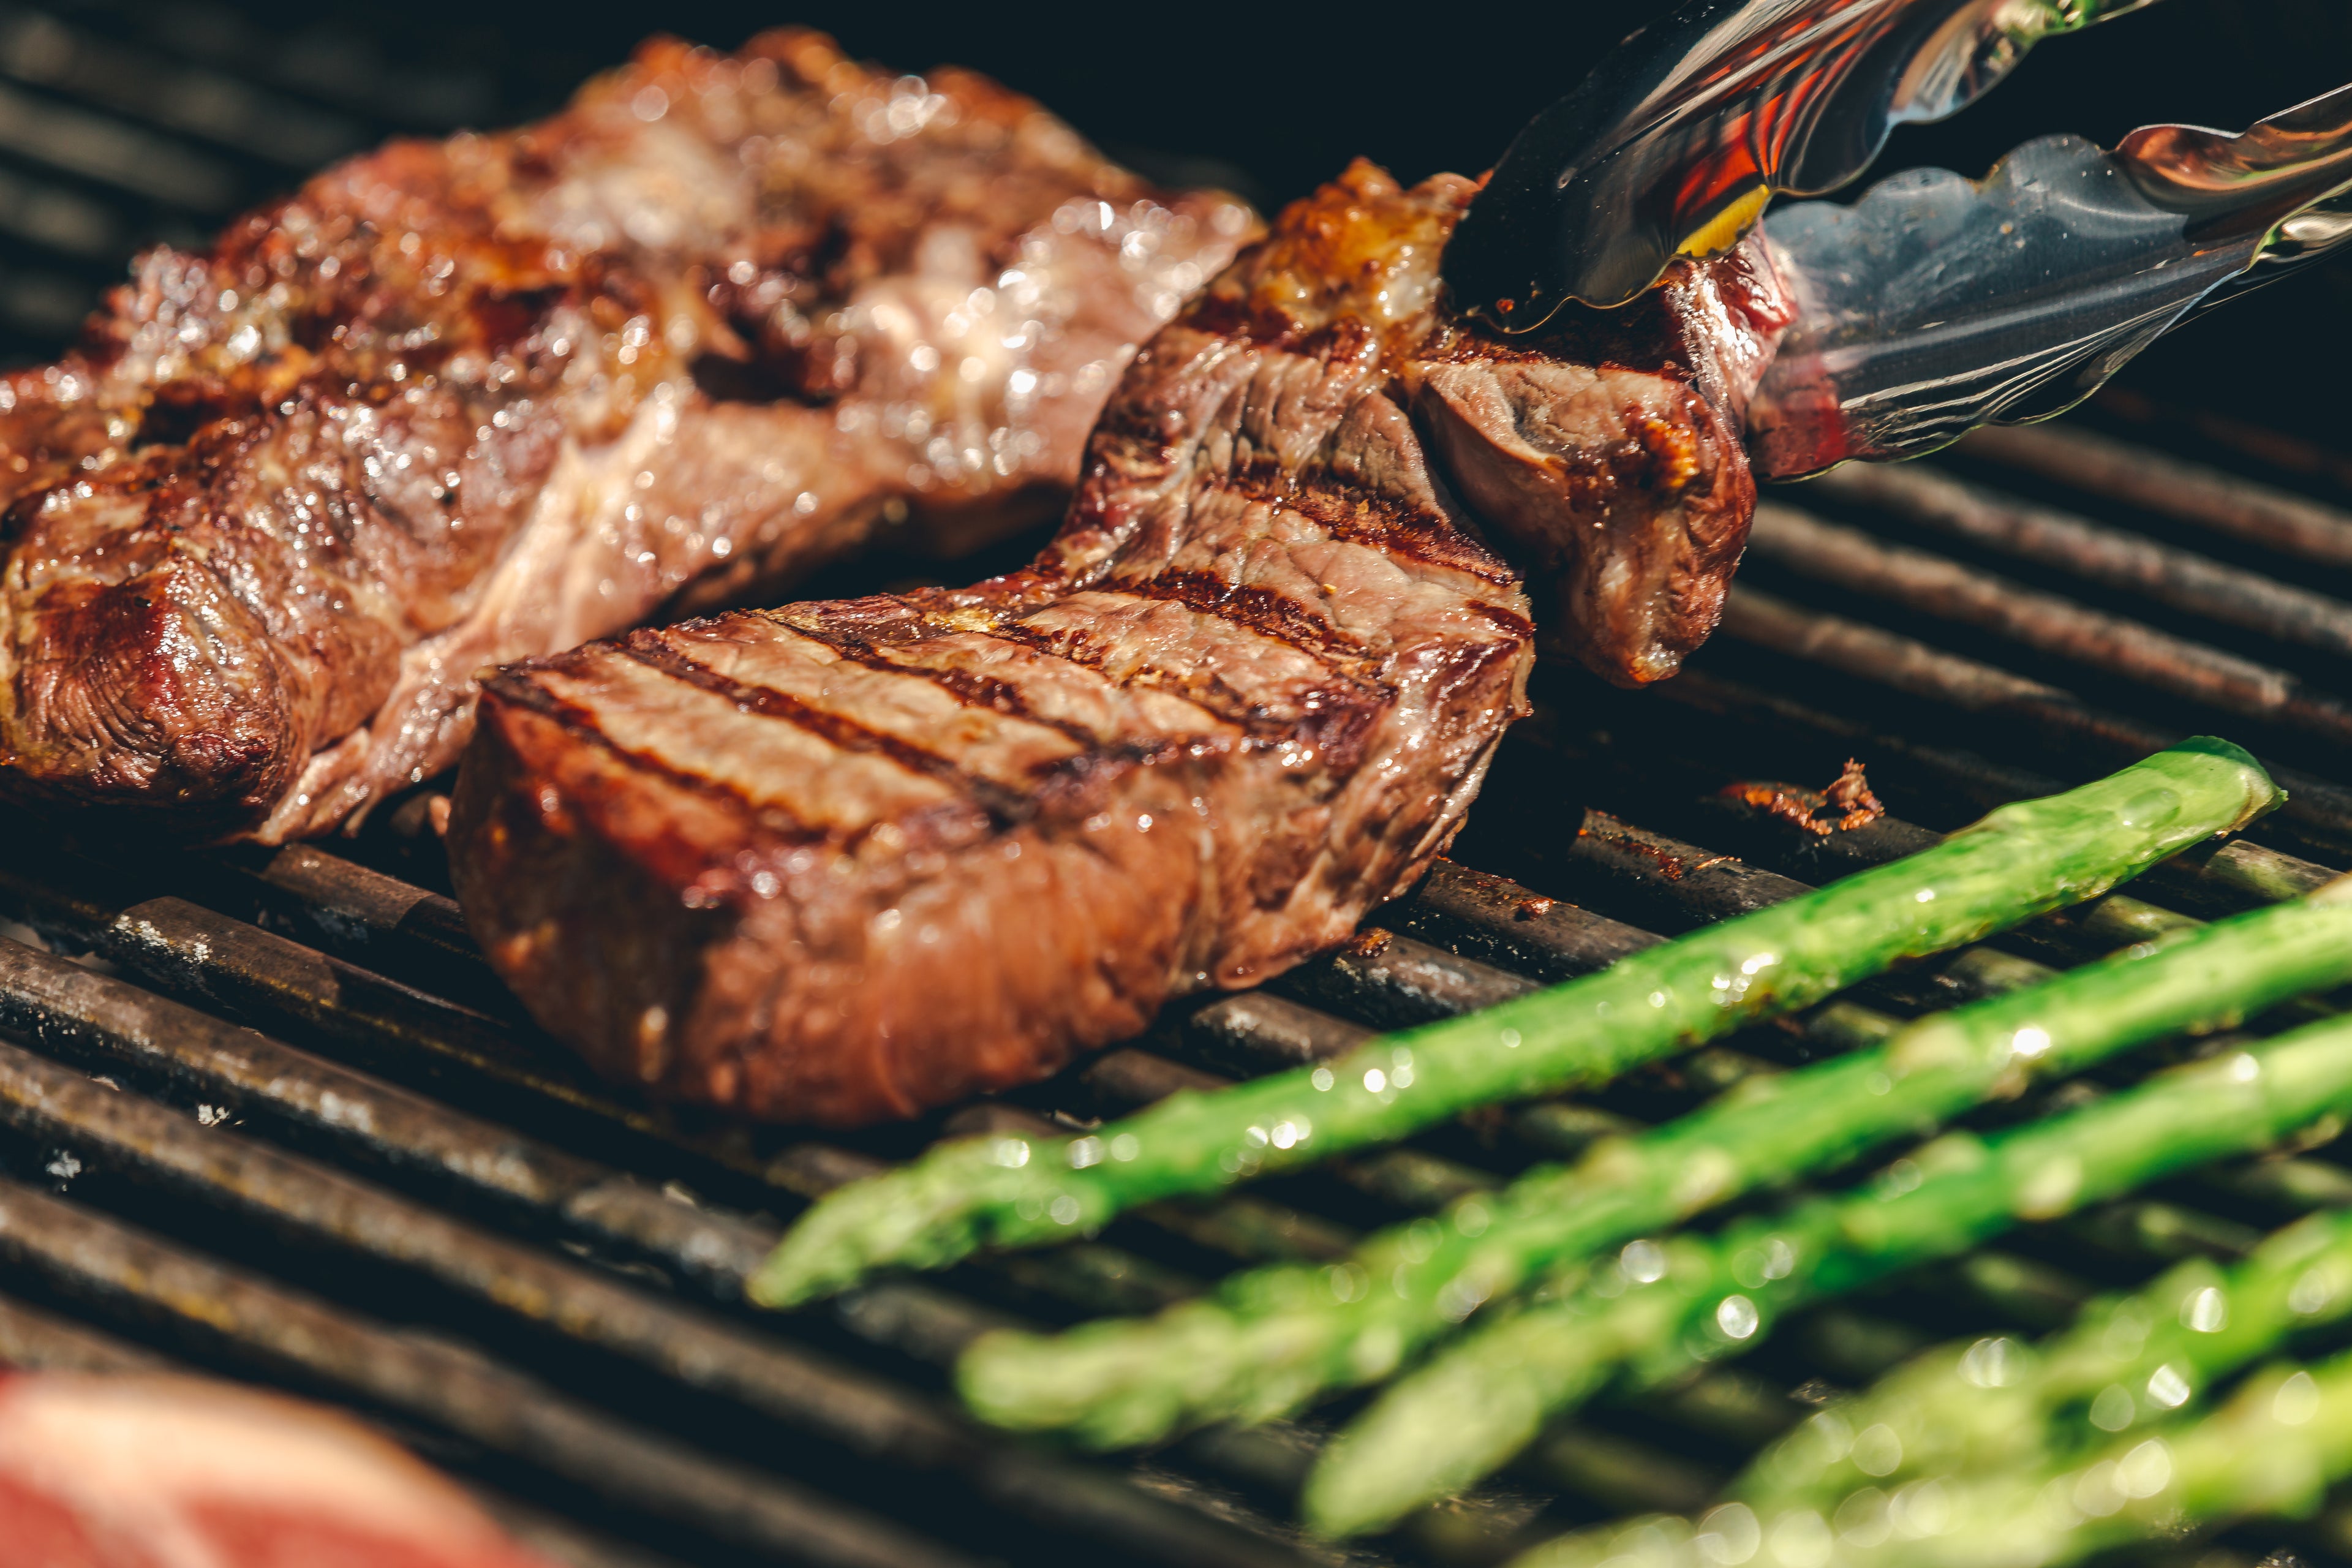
x=841 y=861
x=459 y=404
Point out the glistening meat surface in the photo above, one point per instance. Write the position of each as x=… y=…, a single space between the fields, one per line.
x=842 y=862
x=458 y=403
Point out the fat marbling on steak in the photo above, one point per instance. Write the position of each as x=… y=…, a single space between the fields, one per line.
x=841 y=861
x=457 y=404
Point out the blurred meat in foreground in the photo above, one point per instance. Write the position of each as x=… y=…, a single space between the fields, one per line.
x=154 y=1472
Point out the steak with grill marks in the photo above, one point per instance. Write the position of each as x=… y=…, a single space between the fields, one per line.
x=458 y=403
x=842 y=862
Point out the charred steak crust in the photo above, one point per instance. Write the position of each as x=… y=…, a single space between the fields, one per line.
x=457 y=404
x=842 y=861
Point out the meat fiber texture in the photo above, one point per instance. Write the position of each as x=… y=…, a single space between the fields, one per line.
x=152 y=1472
x=458 y=403
x=840 y=862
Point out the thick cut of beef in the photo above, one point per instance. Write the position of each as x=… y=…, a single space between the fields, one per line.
x=156 y=1471
x=457 y=404
x=841 y=861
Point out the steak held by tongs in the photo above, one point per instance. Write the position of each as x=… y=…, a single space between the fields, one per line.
x=455 y=405
x=841 y=861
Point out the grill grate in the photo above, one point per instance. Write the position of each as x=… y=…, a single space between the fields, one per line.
x=397 y=1196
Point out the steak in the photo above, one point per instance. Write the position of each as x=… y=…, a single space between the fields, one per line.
x=454 y=405
x=842 y=861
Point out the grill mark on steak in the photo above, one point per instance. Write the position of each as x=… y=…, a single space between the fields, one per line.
x=1004 y=806
x=1271 y=614
x=453 y=404
x=580 y=725
x=1222 y=702
x=971 y=690
x=1279 y=644
x=1351 y=515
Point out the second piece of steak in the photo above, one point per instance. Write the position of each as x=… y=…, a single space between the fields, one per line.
x=458 y=403
x=842 y=862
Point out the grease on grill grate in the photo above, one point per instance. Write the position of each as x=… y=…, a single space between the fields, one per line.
x=395 y=1195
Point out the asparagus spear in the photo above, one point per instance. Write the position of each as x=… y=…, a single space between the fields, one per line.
x=2020 y=861
x=1976 y=1408
x=2271 y=1450
x=1274 y=1338
x=2130 y=1362
x=1660 y=1309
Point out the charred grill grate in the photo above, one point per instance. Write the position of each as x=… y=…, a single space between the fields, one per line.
x=396 y=1195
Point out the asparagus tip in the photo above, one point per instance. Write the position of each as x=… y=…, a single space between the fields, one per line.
x=997 y=1378
x=2264 y=794
x=1118 y=1382
x=924 y=1216
x=1385 y=1466
x=819 y=1255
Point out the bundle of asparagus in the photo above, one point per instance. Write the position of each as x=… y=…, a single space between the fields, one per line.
x=2271 y=1451
x=1272 y=1338
x=1992 y=1455
x=2020 y=861
x=2128 y=1363
x=1658 y=1311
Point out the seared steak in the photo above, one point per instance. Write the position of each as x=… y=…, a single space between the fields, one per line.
x=459 y=404
x=841 y=861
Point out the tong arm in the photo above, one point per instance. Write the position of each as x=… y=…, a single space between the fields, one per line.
x=1674 y=144
x=1935 y=304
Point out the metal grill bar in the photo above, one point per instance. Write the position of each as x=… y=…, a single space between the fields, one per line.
x=2135 y=475
x=2111 y=557
x=2045 y=623
x=30 y=1337
x=2317 y=815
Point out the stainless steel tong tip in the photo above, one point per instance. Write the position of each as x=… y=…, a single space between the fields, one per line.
x=1935 y=304
x=1684 y=133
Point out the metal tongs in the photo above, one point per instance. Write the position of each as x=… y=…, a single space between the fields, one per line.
x=1934 y=303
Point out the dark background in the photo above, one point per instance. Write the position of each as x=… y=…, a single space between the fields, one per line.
x=124 y=122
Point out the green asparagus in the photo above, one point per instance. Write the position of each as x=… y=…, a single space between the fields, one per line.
x=1993 y=1404
x=2130 y=1362
x=1275 y=1338
x=2021 y=861
x=2271 y=1450
x=1659 y=1310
